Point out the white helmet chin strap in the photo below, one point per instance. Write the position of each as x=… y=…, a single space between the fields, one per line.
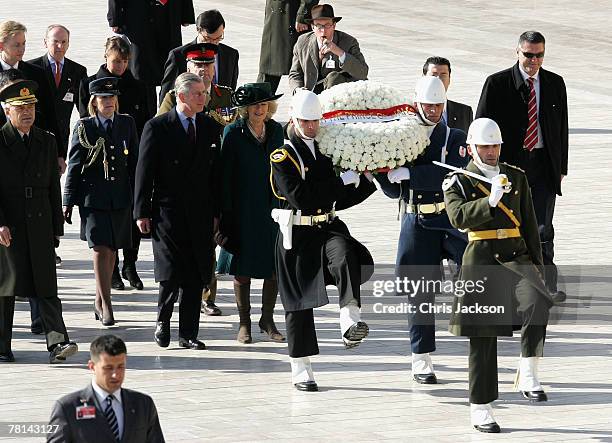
x=425 y=120
x=488 y=170
x=298 y=129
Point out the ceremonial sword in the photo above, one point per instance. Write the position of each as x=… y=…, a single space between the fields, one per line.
x=470 y=174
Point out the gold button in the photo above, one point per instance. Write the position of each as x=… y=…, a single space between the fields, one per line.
x=305 y=168
x=419 y=196
x=516 y=192
x=112 y=179
x=112 y=147
x=473 y=195
x=318 y=211
x=496 y=255
x=511 y=210
x=112 y=157
x=437 y=195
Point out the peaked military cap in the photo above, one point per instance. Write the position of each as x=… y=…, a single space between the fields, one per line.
x=105 y=86
x=22 y=92
x=201 y=52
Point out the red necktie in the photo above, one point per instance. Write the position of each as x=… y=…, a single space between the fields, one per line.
x=531 y=136
x=58 y=74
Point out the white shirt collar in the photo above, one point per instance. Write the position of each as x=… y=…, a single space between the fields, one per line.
x=102 y=394
x=21 y=134
x=6 y=66
x=526 y=76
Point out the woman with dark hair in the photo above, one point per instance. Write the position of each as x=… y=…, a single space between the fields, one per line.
x=100 y=181
x=133 y=102
x=246 y=228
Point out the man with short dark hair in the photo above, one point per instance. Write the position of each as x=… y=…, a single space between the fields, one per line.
x=529 y=104
x=325 y=57
x=104 y=411
x=210 y=26
x=455 y=114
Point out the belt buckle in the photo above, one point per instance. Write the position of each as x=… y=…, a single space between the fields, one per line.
x=501 y=234
x=423 y=211
x=28 y=192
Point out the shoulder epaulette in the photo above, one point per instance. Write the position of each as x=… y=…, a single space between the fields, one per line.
x=512 y=166
x=278 y=155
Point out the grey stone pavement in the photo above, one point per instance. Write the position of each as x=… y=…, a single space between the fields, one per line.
x=233 y=392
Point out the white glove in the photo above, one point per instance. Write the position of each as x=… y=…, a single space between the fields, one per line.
x=500 y=186
x=350 y=177
x=399 y=174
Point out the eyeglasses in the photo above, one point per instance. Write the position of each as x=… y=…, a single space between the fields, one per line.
x=322 y=27
x=207 y=39
x=532 y=55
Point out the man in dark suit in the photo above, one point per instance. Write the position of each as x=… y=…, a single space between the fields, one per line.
x=104 y=412
x=211 y=29
x=63 y=79
x=175 y=201
x=154 y=28
x=455 y=115
x=530 y=105
x=12 y=49
x=325 y=57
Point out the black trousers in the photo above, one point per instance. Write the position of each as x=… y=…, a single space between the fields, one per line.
x=343 y=270
x=544 y=198
x=190 y=296
x=130 y=255
x=533 y=309
x=50 y=310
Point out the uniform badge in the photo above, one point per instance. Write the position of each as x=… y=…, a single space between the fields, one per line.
x=462 y=151
x=278 y=156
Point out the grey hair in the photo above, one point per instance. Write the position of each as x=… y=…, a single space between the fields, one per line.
x=272 y=108
x=183 y=82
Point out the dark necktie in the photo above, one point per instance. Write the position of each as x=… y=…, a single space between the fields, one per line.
x=531 y=135
x=26 y=139
x=109 y=128
x=111 y=417
x=58 y=74
x=191 y=135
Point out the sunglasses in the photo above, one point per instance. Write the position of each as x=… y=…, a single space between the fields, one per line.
x=532 y=55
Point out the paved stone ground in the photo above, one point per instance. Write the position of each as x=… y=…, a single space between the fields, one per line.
x=243 y=393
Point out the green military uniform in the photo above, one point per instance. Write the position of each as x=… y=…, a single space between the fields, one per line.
x=218 y=107
x=504 y=254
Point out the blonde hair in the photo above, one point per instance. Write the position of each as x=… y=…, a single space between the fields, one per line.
x=272 y=108
x=91 y=108
x=9 y=28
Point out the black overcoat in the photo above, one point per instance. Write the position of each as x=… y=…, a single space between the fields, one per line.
x=301 y=270
x=31 y=206
x=174 y=188
x=504 y=99
x=153 y=30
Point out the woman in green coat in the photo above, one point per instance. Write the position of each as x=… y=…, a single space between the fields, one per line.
x=246 y=228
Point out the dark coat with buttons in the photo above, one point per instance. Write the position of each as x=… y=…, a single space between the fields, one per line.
x=279 y=34
x=459 y=116
x=88 y=187
x=504 y=99
x=154 y=30
x=175 y=188
x=31 y=206
x=301 y=270
x=132 y=97
x=498 y=263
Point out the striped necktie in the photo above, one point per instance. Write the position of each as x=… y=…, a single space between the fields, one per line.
x=111 y=417
x=531 y=136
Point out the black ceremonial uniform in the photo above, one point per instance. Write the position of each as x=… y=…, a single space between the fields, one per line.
x=322 y=254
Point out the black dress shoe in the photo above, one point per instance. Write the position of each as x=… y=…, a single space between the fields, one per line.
x=490 y=428
x=130 y=274
x=535 y=396
x=425 y=379
x=355 y=334
x=308 y=386
x=192 y=343
x=210 y=309
x=116 y=282
x=62 y=351
x=162 y=334
x=7 y=357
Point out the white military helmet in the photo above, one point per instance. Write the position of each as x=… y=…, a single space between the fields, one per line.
x=484 y=131
x=430 y=90
x=305 y=105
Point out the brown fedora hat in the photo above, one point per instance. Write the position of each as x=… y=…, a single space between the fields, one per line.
x=322 y=11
